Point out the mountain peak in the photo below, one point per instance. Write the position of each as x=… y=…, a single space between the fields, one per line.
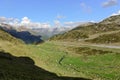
x=112 y=19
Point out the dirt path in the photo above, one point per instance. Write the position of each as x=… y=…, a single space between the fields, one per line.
x=78 y=44
x=106 y=46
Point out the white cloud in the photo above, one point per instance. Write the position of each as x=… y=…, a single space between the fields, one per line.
x=85 y=7
x=25 y=20
x=109 y=3
x=27 y=23
x=8 y=20
x=3 y=19
x=118 y=13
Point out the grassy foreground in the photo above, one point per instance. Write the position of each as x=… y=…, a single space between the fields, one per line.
x=64 y=60
x=101 y=65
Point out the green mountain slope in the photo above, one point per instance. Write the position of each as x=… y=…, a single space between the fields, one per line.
x=4 y=36
x=111 y=19
x=71 y=35
x=85 y=31
x=48 y=60
x=106 y=38
x=19 y=61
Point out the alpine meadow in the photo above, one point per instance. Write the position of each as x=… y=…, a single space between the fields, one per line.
x=63 y=40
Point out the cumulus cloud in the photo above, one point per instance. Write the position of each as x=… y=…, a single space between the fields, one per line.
x=109 y=3
x=9 y=20
x=26 y=23
x=25 y=20
x=118 y=13
x=85 y=7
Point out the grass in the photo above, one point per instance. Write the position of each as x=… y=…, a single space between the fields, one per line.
x=4 y=36
x=71 y=35
x=100 y=66
x=84 y=32
x=103 y=67
x=50 y=53
x=73 y=59
x=87 y=51
x=106 y=38
x=49 y=56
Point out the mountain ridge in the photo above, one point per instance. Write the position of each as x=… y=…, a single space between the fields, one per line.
x=109 y=24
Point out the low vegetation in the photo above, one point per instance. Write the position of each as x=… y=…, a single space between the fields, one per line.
x=71 y=35
x=82 y=61
x=53 y=60
x=106 y=38
x=4 y=36
x=87 y=51
x=85 y=31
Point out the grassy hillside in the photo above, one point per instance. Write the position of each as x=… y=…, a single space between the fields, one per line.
x=71 y=35
x=111 y=19
x=85 y=31
x=106 y=38
x=88 y=62
x=4 y=36
x=30 y=62
x=62 y=60
x=51 y=61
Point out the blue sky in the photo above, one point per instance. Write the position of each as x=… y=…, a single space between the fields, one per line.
x=61 y=10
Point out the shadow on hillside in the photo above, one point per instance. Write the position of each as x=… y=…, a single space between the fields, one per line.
x=28 y=38
x=23 y=68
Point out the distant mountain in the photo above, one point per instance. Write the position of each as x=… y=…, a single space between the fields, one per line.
x=85 y=31
x=46 y=33
x=73 y=34
x=26 y=36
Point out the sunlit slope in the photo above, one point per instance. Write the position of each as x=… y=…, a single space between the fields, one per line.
x=84 y=61
x=19 y=61
x=85 y=31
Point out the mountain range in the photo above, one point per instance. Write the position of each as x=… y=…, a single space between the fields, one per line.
x=83 y=31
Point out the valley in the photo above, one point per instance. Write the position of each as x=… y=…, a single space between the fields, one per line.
x=86 y=52
x=77 y=61
x=85 y=60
